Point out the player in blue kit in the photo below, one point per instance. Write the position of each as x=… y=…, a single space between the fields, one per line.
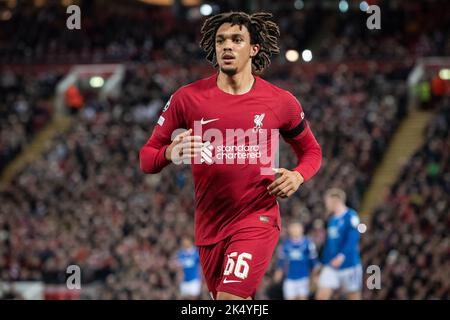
x=188 y=259
x=297 y=256
x=340 y=257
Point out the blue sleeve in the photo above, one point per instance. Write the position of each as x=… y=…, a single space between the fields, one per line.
x=179 y=258
x=197 y=256
x=312 y=254
x=352 y=235
x=281 y=257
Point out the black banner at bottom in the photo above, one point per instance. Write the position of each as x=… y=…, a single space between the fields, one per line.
x=199 y=310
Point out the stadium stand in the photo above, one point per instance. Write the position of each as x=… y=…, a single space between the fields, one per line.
x=85 y=201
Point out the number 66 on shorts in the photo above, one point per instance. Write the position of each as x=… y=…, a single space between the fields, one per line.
x=237 y=264
x=240 y=268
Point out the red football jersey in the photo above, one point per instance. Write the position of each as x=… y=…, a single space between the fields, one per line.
x=240 y=135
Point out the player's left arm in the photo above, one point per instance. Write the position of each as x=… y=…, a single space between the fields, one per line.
x=296 y=131
x=175 y=262
x=312 y=256
x=350 y=241
x=313 y=261
x=281 y=263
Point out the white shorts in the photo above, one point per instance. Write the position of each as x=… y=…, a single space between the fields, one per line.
x=191 y=288
x=295 y=288
x=348 y=279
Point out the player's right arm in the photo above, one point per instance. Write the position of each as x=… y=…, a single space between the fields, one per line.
x=160 y=149
x=351 y=238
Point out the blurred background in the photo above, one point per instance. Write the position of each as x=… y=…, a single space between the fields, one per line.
x=77 y=105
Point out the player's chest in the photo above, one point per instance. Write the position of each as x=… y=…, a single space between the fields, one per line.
x=335 y=229
x=252 y=115
x=296 y=252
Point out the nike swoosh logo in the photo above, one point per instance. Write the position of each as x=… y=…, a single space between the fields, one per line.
x=230 y=281
x=207 y=121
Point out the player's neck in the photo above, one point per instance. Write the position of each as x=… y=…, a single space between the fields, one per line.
x=240 y=83
x=340 y=211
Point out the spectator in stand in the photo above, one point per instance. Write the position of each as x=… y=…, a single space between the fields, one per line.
x=74 y=99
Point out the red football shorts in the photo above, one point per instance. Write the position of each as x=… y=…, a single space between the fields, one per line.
x=237 y=264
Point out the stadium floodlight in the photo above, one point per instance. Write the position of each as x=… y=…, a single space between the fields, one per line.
x=363 y=6
x=307 y=55
x=444 y=74
x=206 y=9
x=299 y=4
x=343 y=6
x=292 y=55
x=96 y=82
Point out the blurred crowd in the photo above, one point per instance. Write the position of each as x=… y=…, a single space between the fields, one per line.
x=86 y=202
x=140 y=32
x=409 y=239
x=412 y=28
x=25 y=107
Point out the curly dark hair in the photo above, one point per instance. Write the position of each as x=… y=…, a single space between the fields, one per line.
x=262 y=31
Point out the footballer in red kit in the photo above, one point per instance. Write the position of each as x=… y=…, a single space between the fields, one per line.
x=232 y=121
